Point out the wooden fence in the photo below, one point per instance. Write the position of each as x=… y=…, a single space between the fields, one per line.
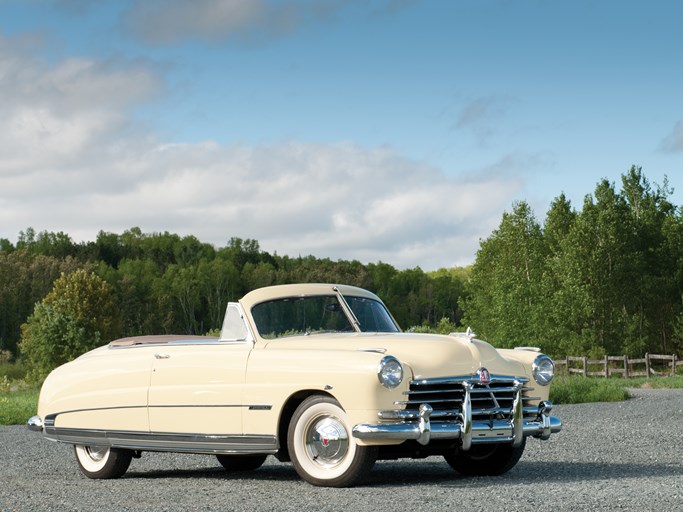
x=650 y=365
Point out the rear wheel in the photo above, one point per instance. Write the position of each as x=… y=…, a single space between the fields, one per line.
x=485 y=459
x=102 y=461
x=322 y=447
x=241 y=462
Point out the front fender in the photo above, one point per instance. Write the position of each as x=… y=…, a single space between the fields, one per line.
x=526 y=358
x=349 y=376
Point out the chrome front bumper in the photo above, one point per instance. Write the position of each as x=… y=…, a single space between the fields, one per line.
x=422 y=429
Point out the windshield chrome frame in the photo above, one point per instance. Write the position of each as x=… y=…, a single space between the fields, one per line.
x=347 y=310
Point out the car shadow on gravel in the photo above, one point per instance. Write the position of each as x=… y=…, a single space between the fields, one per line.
x=525 y=472
x=280 y=473
x=393 y=474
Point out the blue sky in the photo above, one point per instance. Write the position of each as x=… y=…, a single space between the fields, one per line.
x=390 y=130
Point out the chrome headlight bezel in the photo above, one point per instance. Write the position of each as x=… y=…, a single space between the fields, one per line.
x=543 y=370
x=390 y=372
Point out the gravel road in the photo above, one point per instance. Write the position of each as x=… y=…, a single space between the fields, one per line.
x=617 y=456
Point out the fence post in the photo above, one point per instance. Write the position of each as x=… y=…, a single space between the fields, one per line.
x=673 y=365
x=626 y=367
x=628 y=372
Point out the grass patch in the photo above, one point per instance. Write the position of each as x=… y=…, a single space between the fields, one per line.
x=579 y=389
x=675 y=382
x=13 y=371
x=18 y=400
x=18 y=406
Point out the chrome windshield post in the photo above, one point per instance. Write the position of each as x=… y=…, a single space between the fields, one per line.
x=347 y=309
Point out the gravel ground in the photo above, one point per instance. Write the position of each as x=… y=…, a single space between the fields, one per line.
x=615 y=456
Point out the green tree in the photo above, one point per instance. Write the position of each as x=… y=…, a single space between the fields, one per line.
x=448 y=292
x=220 y=282
x=605 y=280
x=559 y=301
x=77 y=315
x=504 y=304
x=25 y=278
x=58 y=245
x=108 y=248
x=613 y=271
x=135 y=284
x=6 y=246
x=653 y=289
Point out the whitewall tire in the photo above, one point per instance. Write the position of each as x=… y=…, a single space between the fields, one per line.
x=102 y=461
x=322 y=447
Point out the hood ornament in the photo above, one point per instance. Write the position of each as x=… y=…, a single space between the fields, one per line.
x=470 y=334
x=484 y=376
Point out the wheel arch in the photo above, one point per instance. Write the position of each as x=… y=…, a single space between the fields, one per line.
x=286 y=414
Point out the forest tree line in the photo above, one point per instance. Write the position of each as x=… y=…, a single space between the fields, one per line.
x=162 y=283
x=606 y=279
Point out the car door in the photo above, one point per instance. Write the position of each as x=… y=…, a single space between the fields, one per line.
x=196 y=387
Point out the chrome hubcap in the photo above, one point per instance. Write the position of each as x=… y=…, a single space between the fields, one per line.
x=327 y=441
x=97 y=453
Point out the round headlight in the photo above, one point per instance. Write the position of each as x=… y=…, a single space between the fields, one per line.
x=543 y=370
x=390 y=372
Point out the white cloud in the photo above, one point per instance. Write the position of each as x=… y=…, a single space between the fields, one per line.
x=72 y=160
x=337 y=201
x=56 y=115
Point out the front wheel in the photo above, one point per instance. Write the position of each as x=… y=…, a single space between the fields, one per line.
x=322 y=448
x=485 y=459
x=102 y=461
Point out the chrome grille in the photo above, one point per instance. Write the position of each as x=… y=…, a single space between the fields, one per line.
x=492 y=400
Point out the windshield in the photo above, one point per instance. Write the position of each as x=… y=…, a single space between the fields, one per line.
x=320 y=313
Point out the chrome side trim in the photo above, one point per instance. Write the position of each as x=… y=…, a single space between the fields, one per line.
x=378 y=350
x=179 y=342
x=167 y=441
x=251 y=407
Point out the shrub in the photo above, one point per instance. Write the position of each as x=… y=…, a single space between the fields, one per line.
x=76 y=316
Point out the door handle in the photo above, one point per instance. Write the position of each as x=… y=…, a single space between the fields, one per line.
x=162 y=356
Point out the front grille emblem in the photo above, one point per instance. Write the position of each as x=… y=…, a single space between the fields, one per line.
x=484 y=375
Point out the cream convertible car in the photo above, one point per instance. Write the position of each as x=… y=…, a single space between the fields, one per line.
x=313 y=373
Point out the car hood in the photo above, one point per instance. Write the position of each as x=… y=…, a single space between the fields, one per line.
x=427 y=355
